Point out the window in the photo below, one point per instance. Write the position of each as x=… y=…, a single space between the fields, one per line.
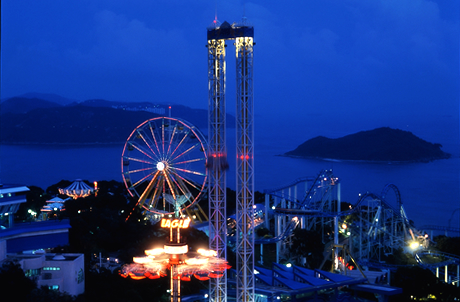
x=30 y=273
x=81 y=276
x=51 y=268
x=54 y=287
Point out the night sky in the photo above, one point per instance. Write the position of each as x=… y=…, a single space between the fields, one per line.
x=383 y=60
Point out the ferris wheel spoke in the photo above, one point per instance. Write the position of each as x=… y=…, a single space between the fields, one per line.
x=138 y=148
x=157 y=193
x=138 y=160
x=163 y=135
x=187 y=151
x=182 y=187
x=141 y=180
x=146 y=192
x=152 y=132
x=180 y=143
x=138 y=170
x=148 y=144
x=172 y=139
x=190 y=161
x=189 y=171
x=186 y=181
x=171 y=188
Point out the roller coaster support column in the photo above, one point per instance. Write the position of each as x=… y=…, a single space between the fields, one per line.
x=217 y=162
x=245 y=165
x=267 y=209
x=446 y=274
x=458 y=275
x=336 y=229
x=336 y=242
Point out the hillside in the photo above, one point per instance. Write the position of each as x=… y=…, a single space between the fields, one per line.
x=70 y=125
x=24 y=105
x=37 y=121
x=379 y=145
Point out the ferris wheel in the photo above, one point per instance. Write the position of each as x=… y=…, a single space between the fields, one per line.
x=164 y=165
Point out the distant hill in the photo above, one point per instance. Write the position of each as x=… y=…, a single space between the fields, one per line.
x=24 y=120
x=49 y=97
x=24 y=105
x=379 y=145
x=71 y=125
x=197 y=117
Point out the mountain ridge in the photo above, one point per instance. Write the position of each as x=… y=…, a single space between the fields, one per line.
x=37 y=121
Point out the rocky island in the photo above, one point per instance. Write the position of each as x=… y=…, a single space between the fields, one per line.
x=379 y=145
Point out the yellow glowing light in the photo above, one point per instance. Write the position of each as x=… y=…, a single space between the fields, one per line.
x=174 y=249
x=175 y=223
x=155 y=251
x=207 y=253
x=196 y=261
x=142 y=260
x=414 y=245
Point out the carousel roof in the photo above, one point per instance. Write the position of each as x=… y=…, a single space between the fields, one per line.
x=77 y=189
x=57 y=206
x=56 y=200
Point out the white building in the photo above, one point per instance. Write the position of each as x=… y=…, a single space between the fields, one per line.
x=63 y=272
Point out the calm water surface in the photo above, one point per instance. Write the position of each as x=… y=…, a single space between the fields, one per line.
x=430 y=191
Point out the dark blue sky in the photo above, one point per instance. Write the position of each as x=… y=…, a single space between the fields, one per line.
x=382 y=59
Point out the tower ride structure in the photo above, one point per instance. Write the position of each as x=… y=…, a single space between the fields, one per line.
x=243 y=35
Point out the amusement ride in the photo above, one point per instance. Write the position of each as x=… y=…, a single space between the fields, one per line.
x=167 y=165
x=164 y=165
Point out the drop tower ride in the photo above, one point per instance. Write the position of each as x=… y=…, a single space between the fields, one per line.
x=243 y=35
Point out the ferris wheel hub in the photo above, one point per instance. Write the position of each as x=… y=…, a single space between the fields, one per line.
x=161 y=166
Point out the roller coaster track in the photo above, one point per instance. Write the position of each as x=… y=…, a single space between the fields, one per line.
x=287 y=232
x=450 y=259
x=324 y=179
x=378 y=226
x=440 y=228
x=446 y=261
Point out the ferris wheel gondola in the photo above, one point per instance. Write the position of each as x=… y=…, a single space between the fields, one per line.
x=164 y=165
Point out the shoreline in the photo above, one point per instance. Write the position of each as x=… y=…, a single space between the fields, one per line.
x=96 y=144
x=388 y=162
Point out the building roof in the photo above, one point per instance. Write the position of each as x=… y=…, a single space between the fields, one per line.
x=36 y=235
x=5 y=189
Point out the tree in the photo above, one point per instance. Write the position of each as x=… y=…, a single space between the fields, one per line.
x=308 y=244
x=421 y=283
x=450 y=245
x=13 y=282
x=44 y=294
x=35 y=200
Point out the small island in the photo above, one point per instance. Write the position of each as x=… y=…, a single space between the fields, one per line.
x=379 y=145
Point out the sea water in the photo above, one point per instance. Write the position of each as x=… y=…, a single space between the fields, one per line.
x=430 y=191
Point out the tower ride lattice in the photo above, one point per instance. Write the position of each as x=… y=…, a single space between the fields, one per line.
x=243 y=35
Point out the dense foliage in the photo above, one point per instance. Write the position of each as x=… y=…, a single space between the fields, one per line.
x=421 y=284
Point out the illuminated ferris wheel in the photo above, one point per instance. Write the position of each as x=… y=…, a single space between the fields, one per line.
x=164 y=165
